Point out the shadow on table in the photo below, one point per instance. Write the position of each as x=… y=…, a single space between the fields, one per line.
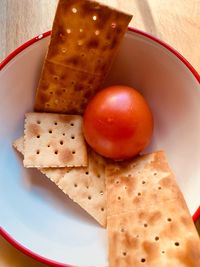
x=147 y=17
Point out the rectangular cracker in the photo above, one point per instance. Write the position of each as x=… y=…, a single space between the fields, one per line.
x=148 y=221
x=53 y=140
x=85 y=39
x=84 y=185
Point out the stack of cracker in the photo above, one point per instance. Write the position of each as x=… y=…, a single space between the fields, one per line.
x=85 y=39
x=54 y=144
x=148 y=221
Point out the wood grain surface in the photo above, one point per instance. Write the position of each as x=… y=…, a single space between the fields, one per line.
x=175 y=22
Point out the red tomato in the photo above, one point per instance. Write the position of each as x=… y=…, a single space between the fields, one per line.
x=118 y=123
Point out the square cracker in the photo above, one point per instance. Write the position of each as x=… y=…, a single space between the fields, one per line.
x=54 y=140
x=84 y=185
x=148 y=221
x=85 y=39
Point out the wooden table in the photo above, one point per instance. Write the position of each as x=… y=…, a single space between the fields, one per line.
x=175 y=22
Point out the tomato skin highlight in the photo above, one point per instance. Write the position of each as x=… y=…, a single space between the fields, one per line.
x=118 y=123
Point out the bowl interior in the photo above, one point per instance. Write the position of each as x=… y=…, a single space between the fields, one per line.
x=33 y=210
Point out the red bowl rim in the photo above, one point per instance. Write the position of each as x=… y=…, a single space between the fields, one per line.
x=196 y=75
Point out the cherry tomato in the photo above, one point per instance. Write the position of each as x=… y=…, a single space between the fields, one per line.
x=118 y=123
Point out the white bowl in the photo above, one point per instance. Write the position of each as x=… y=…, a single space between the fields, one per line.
x=37 y=217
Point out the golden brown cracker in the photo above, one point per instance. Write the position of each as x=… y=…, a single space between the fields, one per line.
x=65 y=88
x=85 y=38
x=54 y=140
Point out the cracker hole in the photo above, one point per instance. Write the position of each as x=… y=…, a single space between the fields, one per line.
x=89 y=197
x=139 y=194
x=63 y=134
x=156 y=238
x=61 y=142
x=94 y=17
x=55 y=123
x=51 y=93
x=145 y=225
x=98 y=176
x=82 y=55
x=124 y=253
x=163 y=252
x=75 y=185
x=119 y=198
x=101 y=193
x=143 y=182
x=48 y=145
x=102 y=209
x=56 y=78
x=72 y=137
x=143 y=260
x=117 y=182
x=50 y=131
x=159 y=188
x=86 y=173
x=169 y=219
x=38 y=152
x=137 y=236
x=155 y=173
x=113 y=25
x=73 y=152
x=74 y=10
x=64 y=90
x=122 y=230
x=64 y=50
x=72 y=124
x=38 y=122
x=56 y=152
x=177 y=244
x=38 y=136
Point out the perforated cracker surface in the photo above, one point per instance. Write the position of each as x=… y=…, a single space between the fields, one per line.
x=85 y=38
x=54 y=140
x=148 y=221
